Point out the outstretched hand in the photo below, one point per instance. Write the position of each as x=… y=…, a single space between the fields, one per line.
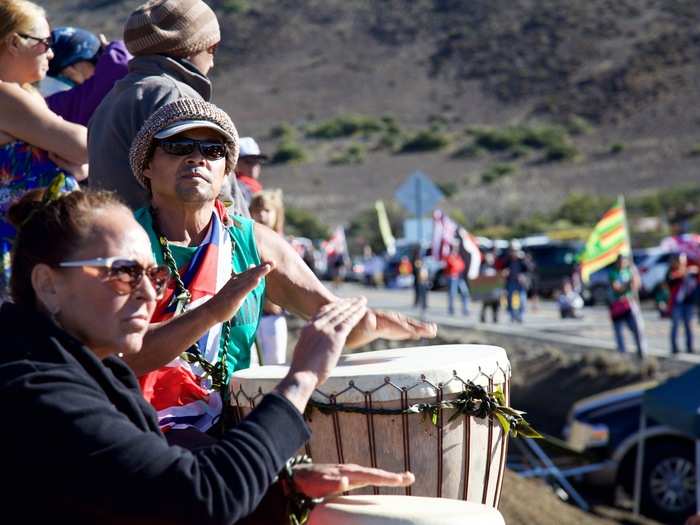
x=379 y=324
x=323 y=480
x=323 y=338
x=228 y=300
x=318 y=349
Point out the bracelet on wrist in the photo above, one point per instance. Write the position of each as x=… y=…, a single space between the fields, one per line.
x=299 y=505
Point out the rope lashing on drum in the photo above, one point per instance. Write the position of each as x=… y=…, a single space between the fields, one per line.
x=474 y=401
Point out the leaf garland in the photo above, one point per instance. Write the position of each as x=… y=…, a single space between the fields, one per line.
x=474 y=400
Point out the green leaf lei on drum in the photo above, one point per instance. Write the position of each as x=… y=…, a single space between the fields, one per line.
x=474 y=400
x=218 y=373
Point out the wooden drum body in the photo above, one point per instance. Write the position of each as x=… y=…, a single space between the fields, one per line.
x=380 y=409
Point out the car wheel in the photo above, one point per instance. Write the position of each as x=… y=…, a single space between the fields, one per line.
x=668 y=485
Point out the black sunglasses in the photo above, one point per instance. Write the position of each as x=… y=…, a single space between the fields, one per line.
x=124 y=275
x=210 y=149
x=47 y=42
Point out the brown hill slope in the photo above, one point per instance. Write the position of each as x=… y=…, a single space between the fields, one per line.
x=628 y=66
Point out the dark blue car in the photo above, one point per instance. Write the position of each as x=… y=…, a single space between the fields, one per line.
x=607 y=427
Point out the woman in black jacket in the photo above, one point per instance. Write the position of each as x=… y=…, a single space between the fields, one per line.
x=80 y=441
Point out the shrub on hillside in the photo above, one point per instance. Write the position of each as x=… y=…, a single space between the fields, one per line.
x=583 y=208
x=345 y=126
x=283 y=131
x=617 y=148
x=354 y=154
x=236 y=6
x=561 y=152
x=289 y=151
x=449 y=188
x=426 y=140
x=302 y=223
x=495 y=172
x=498 y=139
x=468 y=151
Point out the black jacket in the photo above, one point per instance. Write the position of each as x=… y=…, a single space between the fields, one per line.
x=81 y=445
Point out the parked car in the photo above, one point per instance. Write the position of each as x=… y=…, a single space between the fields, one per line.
x=554 y=262
x=653 y=270
x=606 y=427
x=391 y=266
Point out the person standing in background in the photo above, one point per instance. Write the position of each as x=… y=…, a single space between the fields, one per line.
x=682 y=283
x=267 y=208
x=83 y=70
x=36 y=144
x=454 y=270
x=516 y=274
x=624 y=305
x=174 y=43
x=249 y=168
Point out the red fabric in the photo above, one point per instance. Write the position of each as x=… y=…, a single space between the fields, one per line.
x=454 y=265
x=171 y=386
x=252 y=184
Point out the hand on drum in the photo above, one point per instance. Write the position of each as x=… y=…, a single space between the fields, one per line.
x=319 y=347
x=322 y=480
x=389 y=325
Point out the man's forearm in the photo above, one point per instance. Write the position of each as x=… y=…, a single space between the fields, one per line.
x=165 y=341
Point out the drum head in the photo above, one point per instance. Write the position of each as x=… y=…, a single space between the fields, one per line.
x=403 y=510
x=386 y=372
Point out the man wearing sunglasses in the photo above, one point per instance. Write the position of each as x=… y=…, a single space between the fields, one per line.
x=205 y=323
x=173 y=43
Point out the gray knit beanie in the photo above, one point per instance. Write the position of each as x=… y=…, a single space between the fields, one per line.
x=178 y=111
x=178 y=28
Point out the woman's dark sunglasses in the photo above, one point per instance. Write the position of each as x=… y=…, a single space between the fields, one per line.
x=210 y=149
x=47 y=42
x=124 y=275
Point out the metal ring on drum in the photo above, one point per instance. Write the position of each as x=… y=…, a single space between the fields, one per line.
x=404 y=510
x=366 y=417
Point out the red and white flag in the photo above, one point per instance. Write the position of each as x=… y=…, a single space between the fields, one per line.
x=444 y=231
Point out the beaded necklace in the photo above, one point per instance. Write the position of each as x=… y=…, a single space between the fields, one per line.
x=219 y=371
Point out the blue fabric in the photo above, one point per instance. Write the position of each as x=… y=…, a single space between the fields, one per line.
x=457 y=285
x=682 y=312
x=22 y=168
x=629 y=320
x=513 y=289
x=71 y=45
x=676 y=402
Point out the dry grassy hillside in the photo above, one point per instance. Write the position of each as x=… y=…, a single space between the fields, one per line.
x=628 y=67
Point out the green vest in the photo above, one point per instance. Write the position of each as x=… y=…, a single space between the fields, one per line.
x=245 y=322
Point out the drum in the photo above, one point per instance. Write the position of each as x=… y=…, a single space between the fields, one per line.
x=402 y=510
x=386 y=409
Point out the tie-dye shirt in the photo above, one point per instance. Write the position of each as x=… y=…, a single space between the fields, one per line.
x=22 y=168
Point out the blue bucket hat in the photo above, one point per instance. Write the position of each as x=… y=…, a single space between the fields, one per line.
x=71 y=45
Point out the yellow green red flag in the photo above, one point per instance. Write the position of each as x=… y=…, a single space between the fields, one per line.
x=385 y=227
x=608 y=239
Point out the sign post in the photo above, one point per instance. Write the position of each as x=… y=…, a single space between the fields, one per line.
x=419 y=195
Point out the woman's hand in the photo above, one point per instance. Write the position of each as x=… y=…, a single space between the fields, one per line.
x=389 y=325
x=323 y=480
x=79 y=171
x=319 y=347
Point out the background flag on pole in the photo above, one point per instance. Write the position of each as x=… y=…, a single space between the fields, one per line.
x=608 y=240
x=444 y=231
x=385 y=228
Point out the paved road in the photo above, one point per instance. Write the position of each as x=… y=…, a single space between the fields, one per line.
x=541 y=321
